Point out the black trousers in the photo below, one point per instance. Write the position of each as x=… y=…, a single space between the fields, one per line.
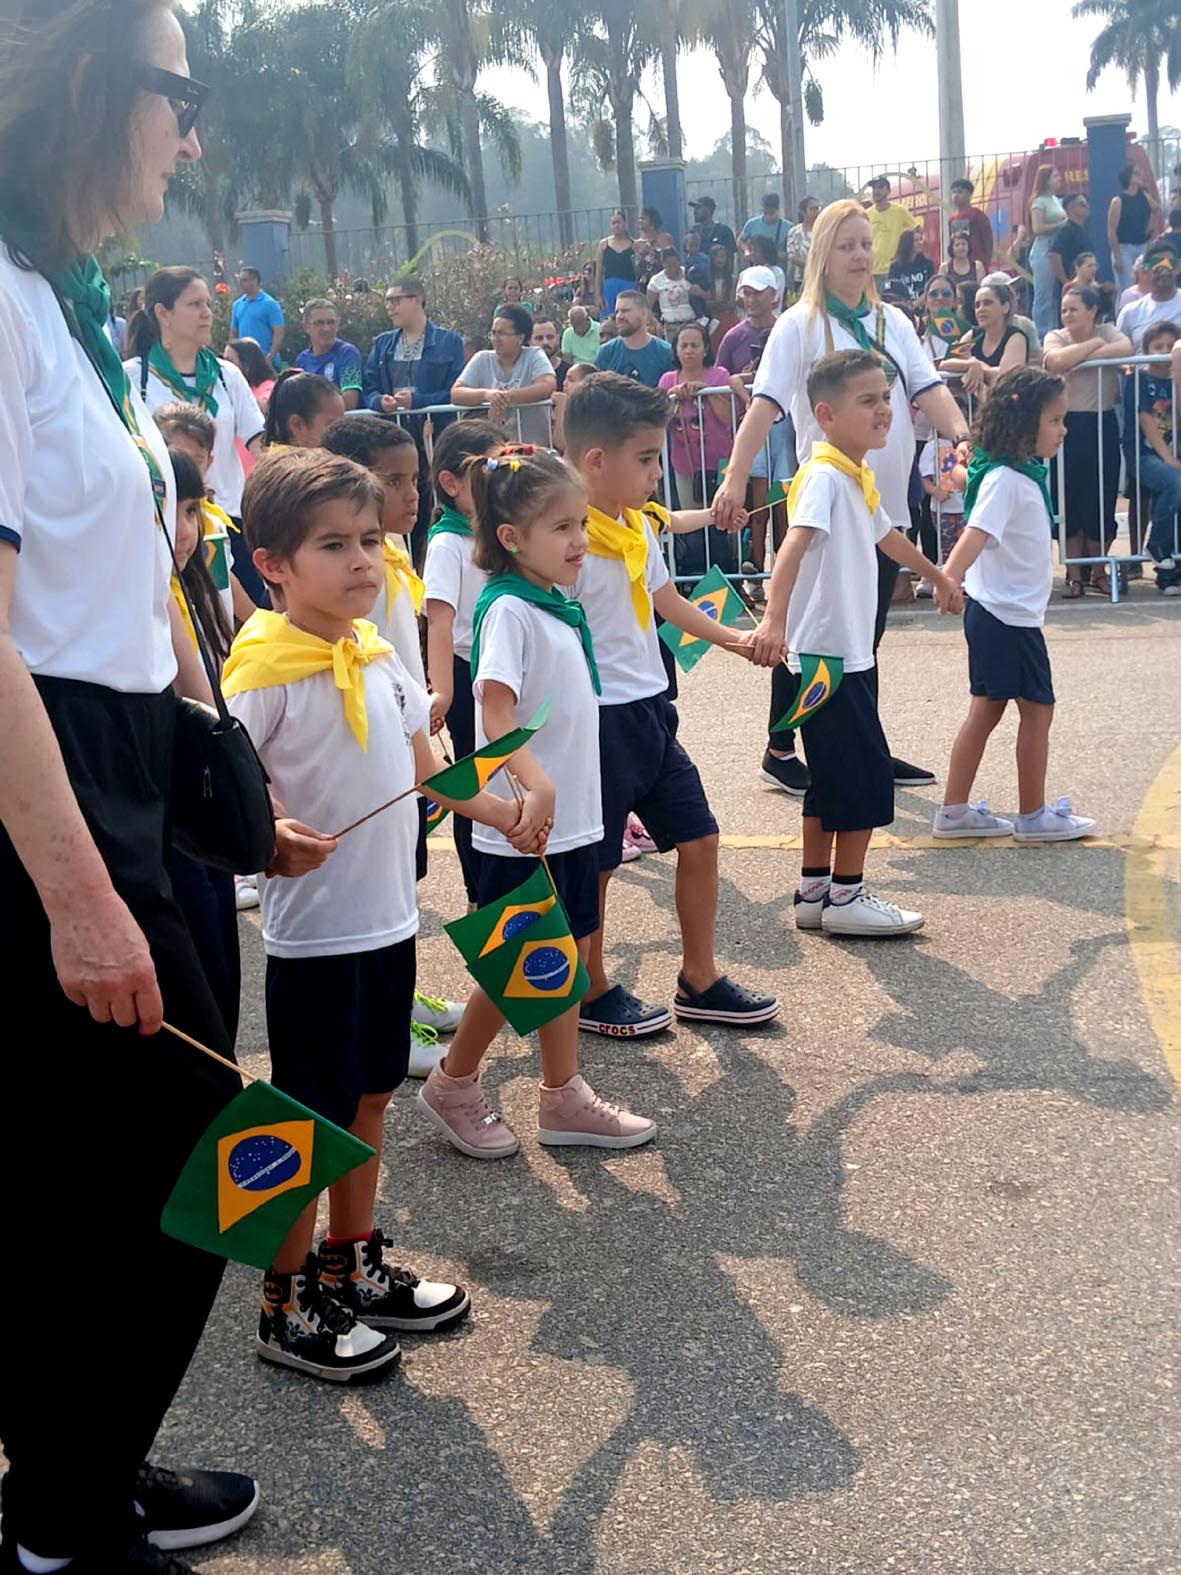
x=785 y=685
x=205 y=897
x=95 y=1125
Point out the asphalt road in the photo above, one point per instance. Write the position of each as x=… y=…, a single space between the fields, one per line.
x=896 y=1288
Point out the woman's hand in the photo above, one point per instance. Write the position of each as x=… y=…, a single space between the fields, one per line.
x=972 y=377
x=729 y=505
x=299 y=849
x=103 y=962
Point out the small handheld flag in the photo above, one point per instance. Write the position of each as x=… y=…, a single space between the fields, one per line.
x=256 y=1166
x=435 y=814
x=820 y=678
x=471 y=775
x=716 y=597
x=776 y=493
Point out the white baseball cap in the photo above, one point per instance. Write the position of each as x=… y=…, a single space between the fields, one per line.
x=758 y=278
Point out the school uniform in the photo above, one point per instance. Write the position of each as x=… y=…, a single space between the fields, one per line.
x=645 y=769
x=340 y=939
x=1008 y=589
x=539 y=658
x=397 y=617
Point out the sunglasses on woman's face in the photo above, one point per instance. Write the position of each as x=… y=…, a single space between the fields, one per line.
x=940 y=295
x=183 y=94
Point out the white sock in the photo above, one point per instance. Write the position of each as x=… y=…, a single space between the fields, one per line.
x=839 y=892
x=39 y=1566
x=813 y=887
x=953 y=811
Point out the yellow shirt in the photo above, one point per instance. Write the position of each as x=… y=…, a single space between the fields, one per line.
x=887 y=229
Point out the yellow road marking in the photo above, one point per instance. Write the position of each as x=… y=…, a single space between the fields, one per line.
x=1154 y=913
x=1139 y=842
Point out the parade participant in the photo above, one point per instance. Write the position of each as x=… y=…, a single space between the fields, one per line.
x=302 y=406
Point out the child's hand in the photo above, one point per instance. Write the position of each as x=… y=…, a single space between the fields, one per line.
x=537 y=817
x=767 y=644
x=959 y=475
x=949 y=598
x=942 y=491
x=537 y=845
x=298 y=848
x=440 y=705
x=504 y=815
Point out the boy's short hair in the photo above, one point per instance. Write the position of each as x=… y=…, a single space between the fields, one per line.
x=363 y=436
x=461 y=441
x=188 y=421
x=637 y=296
x=410 y=285
x=1156 y=330
x=832 y=373
x=284 y=491
x=606 y=408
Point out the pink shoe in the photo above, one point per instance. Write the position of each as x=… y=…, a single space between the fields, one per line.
x=636 y=833
x=456 y=1105
x=630 y=851
x=574 y=1114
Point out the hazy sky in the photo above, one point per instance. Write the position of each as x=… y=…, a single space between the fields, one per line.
x=1025 y=73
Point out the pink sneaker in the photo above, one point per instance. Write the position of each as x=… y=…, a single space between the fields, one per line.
x=636 y=833
x=630 y=851
x=574 y=1114
x=456 y=1105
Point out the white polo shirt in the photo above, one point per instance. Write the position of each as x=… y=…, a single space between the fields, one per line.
x=628 y=657
x=363 y=896
x=238 y=416
x=834 y=602
x=540 y=658
x=452 y=577
x=1014 y=575
x=90 y=598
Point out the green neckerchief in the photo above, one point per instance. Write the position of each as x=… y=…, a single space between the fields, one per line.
x=980 y=465
x=552 y=601
x=207 y=369
x=850 y=317
x=449 y=523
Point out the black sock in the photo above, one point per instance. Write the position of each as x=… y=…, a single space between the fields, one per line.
x=848 y=880
x=815 y=874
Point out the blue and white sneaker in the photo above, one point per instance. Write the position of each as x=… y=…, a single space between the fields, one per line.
x=973 y=820
x=1053 y=823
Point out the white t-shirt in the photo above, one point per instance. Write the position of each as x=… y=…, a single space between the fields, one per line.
x=628 y=657
x=363 y=896
x=673 y=296
x=940 y=452
x=485 y=371
x=450 y=576
x=1014 y=575
x=835 y=599
x=90 y=597
x=399 y=625
x=540 y=658
x=798 y=341
x=1136 y=319
x=238 y=416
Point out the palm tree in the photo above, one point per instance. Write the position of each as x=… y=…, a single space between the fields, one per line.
x=462 y=33
x=670 y=43
x=1142 y=38
x=609 y=65
x=725 y=28
x=549 y=25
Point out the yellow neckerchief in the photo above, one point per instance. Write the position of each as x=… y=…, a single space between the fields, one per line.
x=657 y=516
x=186 y=617
x=270 y=650
x=826 y=454
x=626 y=540
x=400 y=575
x=214 y=519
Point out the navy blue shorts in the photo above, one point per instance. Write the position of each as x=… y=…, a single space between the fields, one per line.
x=576 y=877
x=1006 y=662
x=848 y=759
x=646 y=772
x=339 y=1027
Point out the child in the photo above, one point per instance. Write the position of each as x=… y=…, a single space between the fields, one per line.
x=615 y=432
x=341 y=727
x=937 y=467
x=390 y=453
x=302 y=406
x=453 y=583
x=1158 y=465
x=821 y=601
x=1004 y=560
x=531 y=644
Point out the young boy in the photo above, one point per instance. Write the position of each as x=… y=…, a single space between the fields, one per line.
x=615 y=430
x=1158 y=465
x=341 y=728
x=821 y=601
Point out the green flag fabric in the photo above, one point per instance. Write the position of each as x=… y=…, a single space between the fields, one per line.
x=716 y=597
x=261 y=1162
x=471 y=775
x=820 y=678
x=520 y=952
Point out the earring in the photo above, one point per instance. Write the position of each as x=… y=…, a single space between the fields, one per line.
x=513 y=550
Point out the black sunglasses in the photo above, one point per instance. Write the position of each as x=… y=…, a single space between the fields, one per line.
x=185 y=95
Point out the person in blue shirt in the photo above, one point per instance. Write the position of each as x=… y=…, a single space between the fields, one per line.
x=331 y=357
x=634 y=351
x=257 y=315
x=770 y=224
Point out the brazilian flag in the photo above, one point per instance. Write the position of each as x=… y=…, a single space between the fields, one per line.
x=777 y=492
x=262 y=1161
x=717 y=599
x=435 y=814
x=820 y=678
x=520 y=952
x=471 y=775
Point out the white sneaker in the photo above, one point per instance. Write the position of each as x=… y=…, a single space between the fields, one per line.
x=975 y=821
x=925 y=591
x=1171 y=590
x=245 y=892
x=432 y=1011
x=866 y=915
x=1053 y=823
x=808 y=914
x=425 y=1050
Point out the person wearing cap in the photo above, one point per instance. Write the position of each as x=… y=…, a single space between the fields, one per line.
x=972 y=220
x=887 y=223
x=711 y=232
x=770 y=224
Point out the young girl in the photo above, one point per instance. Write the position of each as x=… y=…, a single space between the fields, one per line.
x=1003 y=559
x=302 y=406
x=453 y=583
x=531 y=644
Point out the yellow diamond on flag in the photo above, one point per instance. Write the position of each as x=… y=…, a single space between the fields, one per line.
x=712 y=605
x=545 y=971
x=514 y=921
x=259 y=1163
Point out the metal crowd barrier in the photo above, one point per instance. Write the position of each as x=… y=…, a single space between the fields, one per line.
x=543 y=437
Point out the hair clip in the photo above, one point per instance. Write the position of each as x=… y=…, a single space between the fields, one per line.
x=492 y=463
x=517 y=448
x=1014 y=399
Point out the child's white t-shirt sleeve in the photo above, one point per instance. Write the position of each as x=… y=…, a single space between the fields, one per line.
x=417 y=711
x=443 y=572
x=656 y=574
x=881 y=525
x=813 y=504
x=503 y=639
x=993 y=512
x=927 y=458
x=260 y=711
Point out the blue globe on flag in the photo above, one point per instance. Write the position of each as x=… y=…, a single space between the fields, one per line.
x=263 y=1161
x=547 y=968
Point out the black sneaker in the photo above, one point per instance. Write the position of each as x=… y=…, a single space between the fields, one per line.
x=723 y=1002
x=620 y=1015
x=188 y=1509
x=141 y=1558
x=789 y=774
x=301 y=1327
x=356 y=1274
x=907 y=775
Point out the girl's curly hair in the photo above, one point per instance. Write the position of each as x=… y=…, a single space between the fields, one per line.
x=1008 y=419
x=512 y=488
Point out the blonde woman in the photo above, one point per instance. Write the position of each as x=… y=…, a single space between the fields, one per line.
x=839 y=309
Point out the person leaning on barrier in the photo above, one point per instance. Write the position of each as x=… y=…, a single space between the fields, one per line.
x=512 y=373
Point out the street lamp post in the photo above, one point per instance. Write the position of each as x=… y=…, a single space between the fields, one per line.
x=794 y=176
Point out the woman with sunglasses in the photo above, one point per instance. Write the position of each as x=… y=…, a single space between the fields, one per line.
x=99 y=1109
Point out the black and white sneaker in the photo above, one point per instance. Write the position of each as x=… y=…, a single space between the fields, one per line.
x=302 y=1327
x=789 y=774
x=141 y=1558
x=357 y=1275
x=906 y=775
x=188 y=1509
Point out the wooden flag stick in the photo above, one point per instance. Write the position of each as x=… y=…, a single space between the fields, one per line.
x=387 y=805
x=520 y=798
x=750 y=609
x=212 y=1054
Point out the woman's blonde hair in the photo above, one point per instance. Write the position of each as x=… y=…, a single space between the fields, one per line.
x=824 y=234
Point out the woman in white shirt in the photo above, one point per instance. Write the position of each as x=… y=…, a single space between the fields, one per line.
x=100 y=1111
x=512 y=373
x=1046 y=218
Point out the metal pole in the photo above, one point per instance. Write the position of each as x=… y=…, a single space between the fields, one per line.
x=952 y=157
x=794 y=178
